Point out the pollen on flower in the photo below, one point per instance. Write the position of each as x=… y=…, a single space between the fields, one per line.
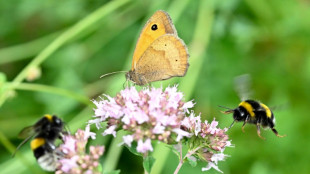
x=149 y=114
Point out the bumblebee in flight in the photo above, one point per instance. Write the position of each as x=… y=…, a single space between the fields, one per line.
x=251 y=111
x=45 y=131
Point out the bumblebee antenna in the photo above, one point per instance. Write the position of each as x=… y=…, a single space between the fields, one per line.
x=224 y=107
x=112 y=73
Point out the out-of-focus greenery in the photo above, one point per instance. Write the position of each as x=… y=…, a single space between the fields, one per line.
x=73 y=42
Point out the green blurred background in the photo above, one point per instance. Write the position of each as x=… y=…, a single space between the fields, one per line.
x=73 y=42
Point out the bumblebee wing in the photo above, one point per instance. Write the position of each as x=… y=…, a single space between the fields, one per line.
x=26 y=132
x=243 y=86
x=66 y=130
x=22 y=143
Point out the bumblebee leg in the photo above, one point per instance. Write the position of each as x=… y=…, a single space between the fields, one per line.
x=246 y=120
x=231 y=124
x=276 y=132
x=258 y=131
x=243 y=126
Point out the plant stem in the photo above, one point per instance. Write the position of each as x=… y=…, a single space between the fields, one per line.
x=25 y=50
x=85 y=23
x=50 y=89
x=181 y=160
x=189 y=153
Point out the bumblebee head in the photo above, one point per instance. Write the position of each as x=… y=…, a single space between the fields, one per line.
x=57 y=122
x=239 y=114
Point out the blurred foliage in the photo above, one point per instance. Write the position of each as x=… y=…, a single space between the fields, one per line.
x=267 y=39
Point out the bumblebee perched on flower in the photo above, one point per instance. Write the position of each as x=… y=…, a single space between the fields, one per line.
x=45 y=132
x=251 y=111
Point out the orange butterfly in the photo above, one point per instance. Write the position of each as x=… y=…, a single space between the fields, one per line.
x=160 y=54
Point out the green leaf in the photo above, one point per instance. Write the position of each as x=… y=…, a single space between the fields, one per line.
x=2 y=78
x=148 y=163
x=192 y=161
x=175 y=151
x=133 y=149
x=113 y=172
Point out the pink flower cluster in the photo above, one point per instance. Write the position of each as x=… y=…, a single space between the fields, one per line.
x=151 y=114
x=74 y=159
x=157 y=114
x=210 y=140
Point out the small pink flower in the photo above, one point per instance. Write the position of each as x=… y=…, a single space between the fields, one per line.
x=188 y=105
x=110 y=130
x=218 y=157
x=128 y=140
x=88 y=134
x=212 y=128
x=74 y=159
x=181 y=133
x=211 y=165
x=144 y=147
x=68 y=164
x=70 y=145
x=158 y=129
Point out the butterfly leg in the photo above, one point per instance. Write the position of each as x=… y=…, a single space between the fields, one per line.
x=144 y=81
x=276 y=132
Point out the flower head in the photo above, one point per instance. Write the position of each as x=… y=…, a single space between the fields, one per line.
x=74 y=159
x=149 y=114
x=210 y=139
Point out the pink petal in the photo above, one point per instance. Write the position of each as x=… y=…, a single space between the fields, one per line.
x=211 y=165
x=110 y=130
x=128 y=139
x=144 y=147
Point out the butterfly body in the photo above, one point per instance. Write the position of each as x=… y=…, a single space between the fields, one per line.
x=160 y=54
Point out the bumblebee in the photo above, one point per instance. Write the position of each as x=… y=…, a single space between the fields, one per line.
x=251 y=111
x=45 y=132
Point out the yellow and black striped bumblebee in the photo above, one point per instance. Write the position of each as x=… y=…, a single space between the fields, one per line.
x=45 y=132
x=251 y=111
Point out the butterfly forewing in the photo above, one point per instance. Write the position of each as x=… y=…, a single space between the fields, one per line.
x=159 y=24
x=166 y=57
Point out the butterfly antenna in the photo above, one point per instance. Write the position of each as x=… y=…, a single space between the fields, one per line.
x=112 y=73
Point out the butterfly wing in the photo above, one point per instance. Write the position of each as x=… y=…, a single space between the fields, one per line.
x=166 y=57
x=159 y=24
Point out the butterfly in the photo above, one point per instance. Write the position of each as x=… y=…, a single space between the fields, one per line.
x=159 y=54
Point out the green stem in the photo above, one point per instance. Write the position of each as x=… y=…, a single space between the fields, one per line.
x=114 y=152
x=88 y=21
x=11 y=148
x=189 y=153
x=187 y=85
x=25 y=50
x=198 y=47
x=53 y=90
